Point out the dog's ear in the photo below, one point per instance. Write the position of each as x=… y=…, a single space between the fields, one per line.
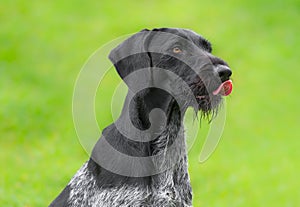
x=132 y=54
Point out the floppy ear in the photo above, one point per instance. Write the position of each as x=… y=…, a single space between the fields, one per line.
x=131 y=54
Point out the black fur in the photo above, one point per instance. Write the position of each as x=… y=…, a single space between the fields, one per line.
x=166 y=181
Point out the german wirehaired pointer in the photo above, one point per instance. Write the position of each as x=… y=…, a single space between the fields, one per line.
x=141 y=159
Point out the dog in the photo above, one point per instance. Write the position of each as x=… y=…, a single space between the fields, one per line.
x=141 y=159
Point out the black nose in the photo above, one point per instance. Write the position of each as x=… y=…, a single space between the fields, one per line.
x=224 y=72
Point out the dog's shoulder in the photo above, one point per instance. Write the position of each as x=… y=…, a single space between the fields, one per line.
x=62 y=198
x=80 y=180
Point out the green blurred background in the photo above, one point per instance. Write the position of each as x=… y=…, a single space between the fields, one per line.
x=45 y=43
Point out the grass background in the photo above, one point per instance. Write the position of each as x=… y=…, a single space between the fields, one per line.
x=43 y=45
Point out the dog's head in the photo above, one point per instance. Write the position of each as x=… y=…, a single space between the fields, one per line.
x=180 y=52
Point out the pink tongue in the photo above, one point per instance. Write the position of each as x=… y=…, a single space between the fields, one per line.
x=224 y=89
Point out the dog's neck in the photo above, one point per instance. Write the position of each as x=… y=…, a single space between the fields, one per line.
x=138 y=110
x=164 y=126
x=168 y=148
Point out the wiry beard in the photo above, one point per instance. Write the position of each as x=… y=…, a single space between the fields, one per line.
x=206 y=105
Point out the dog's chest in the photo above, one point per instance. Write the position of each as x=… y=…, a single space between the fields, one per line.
x=166 y=192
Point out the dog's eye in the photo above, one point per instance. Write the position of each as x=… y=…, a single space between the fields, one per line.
x=177 y=50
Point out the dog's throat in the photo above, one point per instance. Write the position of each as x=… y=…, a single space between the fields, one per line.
x=149 y=107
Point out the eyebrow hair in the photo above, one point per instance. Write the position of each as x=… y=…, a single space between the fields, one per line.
x=196 y=39
x=205 y=44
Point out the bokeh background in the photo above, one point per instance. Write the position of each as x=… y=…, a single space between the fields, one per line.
x=44 y=44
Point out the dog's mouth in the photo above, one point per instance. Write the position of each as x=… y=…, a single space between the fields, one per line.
x=209 y=98
x=224 y=89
